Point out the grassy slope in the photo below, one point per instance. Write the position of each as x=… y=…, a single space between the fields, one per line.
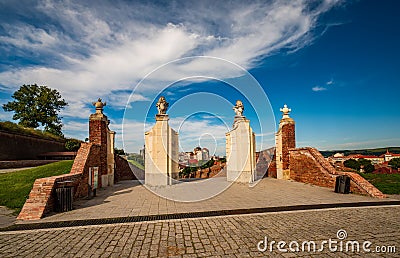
x=16 y=128
x=388 y=184
x=135 y=163
x=15 y=186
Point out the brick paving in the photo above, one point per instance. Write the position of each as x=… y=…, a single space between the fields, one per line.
x=130 y=198
x=228 y=236
x=223 y=236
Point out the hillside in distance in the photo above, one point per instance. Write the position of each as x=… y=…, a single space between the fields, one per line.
x=376 y=151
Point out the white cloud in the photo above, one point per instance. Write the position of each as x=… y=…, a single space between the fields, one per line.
x=330 y=82
x=318 y=88
x=5 y=116
x=75 y=129
x=104 y=48
x=87 y=51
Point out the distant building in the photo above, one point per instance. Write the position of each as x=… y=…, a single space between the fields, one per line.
x=142 y=152
x=205 y=154
x=193 y=157
x=339 y=157
x=198 y=154
x=389 y=156
x=374 y=159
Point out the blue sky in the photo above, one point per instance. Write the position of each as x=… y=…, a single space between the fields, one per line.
x=335 y=63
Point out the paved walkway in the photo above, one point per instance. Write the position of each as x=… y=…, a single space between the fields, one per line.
x=228 y=236
x=8 y=170
x=130 y=198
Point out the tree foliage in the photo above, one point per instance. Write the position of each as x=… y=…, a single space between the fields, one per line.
x=119 y=151
x=352 y=163
x=72 y=144
x=356 y=165
x=368 y=167
x=394 y=163
x=35 y=105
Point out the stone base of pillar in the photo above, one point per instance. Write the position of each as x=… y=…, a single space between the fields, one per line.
x=240 y=152
x=161 y=153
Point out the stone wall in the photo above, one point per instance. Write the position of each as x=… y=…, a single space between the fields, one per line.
x=15 y=146
x=42 y=198
x=307 y=165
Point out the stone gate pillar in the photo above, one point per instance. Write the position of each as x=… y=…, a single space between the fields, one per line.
x=285 y=140
x=161 y=151
x=240 y=149
x=100 y=134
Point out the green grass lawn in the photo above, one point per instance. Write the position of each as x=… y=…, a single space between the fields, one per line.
x=15 y=186
x=137 y=164
x=387 y=183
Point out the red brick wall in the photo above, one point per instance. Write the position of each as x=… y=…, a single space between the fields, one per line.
x=288 y=142
x=305 y=168
x=272 y=172
x=42 y=196
x=122 y=170
x=307 y=165
x=98 y=135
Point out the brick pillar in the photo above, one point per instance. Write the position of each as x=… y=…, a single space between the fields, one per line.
x=285 y=140
x=288 y=140
x=98 y=128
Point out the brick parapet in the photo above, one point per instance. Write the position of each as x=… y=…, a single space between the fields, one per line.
x=307 y=165
x=42 y=196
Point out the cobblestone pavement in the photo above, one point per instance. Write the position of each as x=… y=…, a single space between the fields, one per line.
x=130 y=198
x=227 y=236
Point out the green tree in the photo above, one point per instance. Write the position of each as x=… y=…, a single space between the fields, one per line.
x=35 y=105
x=394 y=163
x=352 y=163
x=119 y=151
x=72 y=144
x=368 y=167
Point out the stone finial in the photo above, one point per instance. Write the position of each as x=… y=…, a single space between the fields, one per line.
x=285 y=110
x=99 y=106
x=162 y=106
x=238 y=108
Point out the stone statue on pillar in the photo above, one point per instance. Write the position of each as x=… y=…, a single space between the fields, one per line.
x=238 y=108
x=162 y=148
x=240 y=148
x=162 y=106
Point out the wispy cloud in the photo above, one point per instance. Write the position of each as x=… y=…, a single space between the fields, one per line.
x=323 y=88
x=106 y=48
x=318 y=88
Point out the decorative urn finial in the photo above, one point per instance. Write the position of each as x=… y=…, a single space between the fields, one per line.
x=99 y=106
x=285 y=110
x=162 y=106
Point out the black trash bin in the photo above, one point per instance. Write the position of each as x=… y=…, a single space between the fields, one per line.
x=65 y=196
x=342 y=184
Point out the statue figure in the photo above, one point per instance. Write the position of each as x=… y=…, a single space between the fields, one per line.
x=162 y=106
x=99 y=106
x=238 y=108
